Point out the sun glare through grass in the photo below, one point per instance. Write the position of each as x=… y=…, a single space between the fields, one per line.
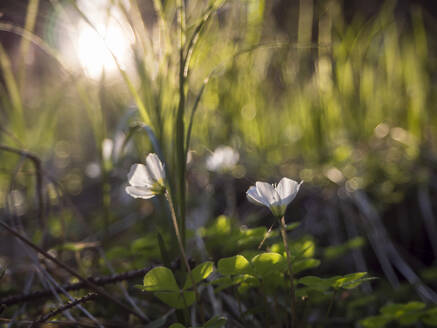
x=96 y=45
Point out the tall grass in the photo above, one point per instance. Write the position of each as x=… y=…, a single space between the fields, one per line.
x=309 y=104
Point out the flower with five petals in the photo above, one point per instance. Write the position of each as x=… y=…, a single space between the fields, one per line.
x=275 y=197
x=146 y=181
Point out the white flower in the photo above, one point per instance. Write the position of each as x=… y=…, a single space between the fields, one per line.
x=276 y=198
x=222 y=159
x=146 y=181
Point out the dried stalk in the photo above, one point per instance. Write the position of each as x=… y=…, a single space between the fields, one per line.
x=63 y=308
x=73 y=272
x=100 y=281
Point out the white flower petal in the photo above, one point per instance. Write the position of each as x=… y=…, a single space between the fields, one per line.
x=254 y=197
x=211 y=163
x=268 y=193
x=140 y=192
x=138 y=176
x=155 y=167
x=287 y=190
x=223 y=158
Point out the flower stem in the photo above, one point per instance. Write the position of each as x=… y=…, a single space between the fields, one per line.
x=331 y=304
x=290 y=272
x=184 y=256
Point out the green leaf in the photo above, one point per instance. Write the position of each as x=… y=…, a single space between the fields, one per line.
x=162 y=282
x=332 y=252
x=397 y=310
x=406 y=314
x=177 y=300
x=305 y=264
x=430 y=317
x=118 y=252
x=356 y=242
x=223 y=283
x=409 y=319
x=222 y=226
x=378 y=321
x=216 y=322
x=429 y=274
x=237 y=264
x=143 y=244
x=318 y=284
x=267 y=262
x=414 y=306
x=292 y=226
x=275 y=280
x=362 y=301
x=160 y=279
x=351 y=281
x=251 y=236
x=303 y=292
x=200 y=272
x=246 y=279
x=303 y=248
x=246 y=282
x=177 y=325
x=249 y=254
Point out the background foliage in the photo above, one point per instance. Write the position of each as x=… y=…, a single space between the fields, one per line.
x=342 y=99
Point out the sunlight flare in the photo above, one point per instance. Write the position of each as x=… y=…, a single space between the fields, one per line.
x=98 y=48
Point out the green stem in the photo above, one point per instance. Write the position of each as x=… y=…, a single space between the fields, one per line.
x=303 y=312
x=276 y=310
x=106 y=198
x=184 y=256
x=331 y=304
x=266 y=304
x=290 y=272
x=180 y=125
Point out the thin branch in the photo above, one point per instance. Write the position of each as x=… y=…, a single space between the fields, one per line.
x=100 y=281
x=67 y=323
x=64 y=307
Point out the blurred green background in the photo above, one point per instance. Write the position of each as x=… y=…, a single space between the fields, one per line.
x=340 y=94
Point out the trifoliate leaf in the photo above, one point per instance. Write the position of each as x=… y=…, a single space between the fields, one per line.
x=267 y=262
x=237 y=264
x=162 y=282
x=199 y=273
x=160 y=279
x=317 y=283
